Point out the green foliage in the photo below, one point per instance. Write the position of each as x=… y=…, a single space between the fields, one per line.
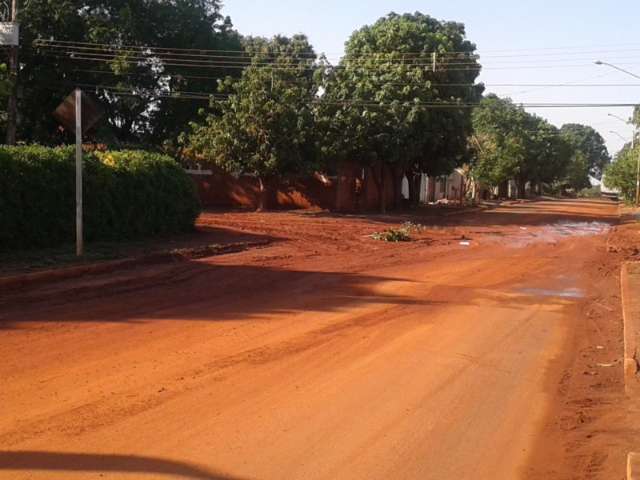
x=127 y=194
x=402 y=234
x=499 y=140
x=590 y=144
x=511 y=144
x=5 y=89
x=266 y=126
x=577 y=172
x=137 y=109
x=621 y=174
x=373 y=108
x=591 y=192
x=392 y=235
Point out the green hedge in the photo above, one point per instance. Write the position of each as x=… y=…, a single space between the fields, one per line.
x=127 y=194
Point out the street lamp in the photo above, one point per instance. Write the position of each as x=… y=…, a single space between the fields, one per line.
x=617 y=117
x=633 y=138
x=619 y=136
x=627 y=122
x=600 y=62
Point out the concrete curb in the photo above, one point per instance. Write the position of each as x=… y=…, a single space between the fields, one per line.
x=633 y=466
x=630 y=293
x=16 y=282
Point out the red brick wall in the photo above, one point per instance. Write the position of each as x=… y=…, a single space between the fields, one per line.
x=223 y=190
x=338 y=193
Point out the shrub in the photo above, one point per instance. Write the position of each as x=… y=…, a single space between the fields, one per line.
x=593 y=192
x=392 y=235
x=621 y=174
x=127 y=194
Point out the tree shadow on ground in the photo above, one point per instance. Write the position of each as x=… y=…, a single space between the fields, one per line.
x=529 y=213
x=32 y=461
x=34 y=260
x=200 y=290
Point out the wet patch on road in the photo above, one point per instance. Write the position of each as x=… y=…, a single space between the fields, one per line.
x=551 y=234
x=548 y=292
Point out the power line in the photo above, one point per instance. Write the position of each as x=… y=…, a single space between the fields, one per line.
x=356 y=103
x=242 y=66
x=454 y=85
x=546 y=51
x=172 y=62
x=267 y=59
x=233 y=61
x=397 y=56
x=44 y=42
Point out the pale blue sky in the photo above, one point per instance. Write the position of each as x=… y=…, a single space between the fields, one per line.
x=586 y=30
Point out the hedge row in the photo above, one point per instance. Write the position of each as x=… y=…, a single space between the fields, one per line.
x=127 y=194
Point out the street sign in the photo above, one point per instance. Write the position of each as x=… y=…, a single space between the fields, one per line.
x=65 y=114
x=9 y=34
x=78 y=112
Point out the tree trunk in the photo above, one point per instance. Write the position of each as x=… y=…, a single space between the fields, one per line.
x=503 y=189
x=415 y=182
x=383 y=190
x=381 y=186
x=262 y=195
x=521 y=183
x=398 y=176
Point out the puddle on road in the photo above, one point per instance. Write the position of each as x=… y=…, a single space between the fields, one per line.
x=561 y=293
x=561 y=285
x=557 y=231
x=579 y=229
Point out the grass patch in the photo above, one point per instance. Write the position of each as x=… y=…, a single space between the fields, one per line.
x=396 y=235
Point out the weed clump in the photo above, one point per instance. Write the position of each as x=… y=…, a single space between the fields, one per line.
x=402 y=234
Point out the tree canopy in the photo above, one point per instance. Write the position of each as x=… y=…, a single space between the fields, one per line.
x=590 y=144
x=137 y=84
x=175 y=75
x=265 y=126
x=511 y=144
x=388 y=104
x=621 y=174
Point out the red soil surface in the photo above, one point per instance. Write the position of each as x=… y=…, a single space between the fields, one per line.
x=328 y=354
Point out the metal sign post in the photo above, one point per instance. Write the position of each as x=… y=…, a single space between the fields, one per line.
x=79 y=235
x=10 y=36
x=78 y=113
x=638 y=180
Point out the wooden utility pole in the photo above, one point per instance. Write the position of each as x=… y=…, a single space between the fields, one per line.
x=12 y=107
x=633 y=150
x=79 y=234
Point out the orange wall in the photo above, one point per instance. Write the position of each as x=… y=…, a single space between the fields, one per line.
x=339 y=193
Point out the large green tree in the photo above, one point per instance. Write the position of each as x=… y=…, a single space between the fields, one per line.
x=266 y=125
x=621 y=174
x=590 y=144
x=499 y=140
x=388 y=103
x=548 y=154
x=511 y=144
x=138 y=78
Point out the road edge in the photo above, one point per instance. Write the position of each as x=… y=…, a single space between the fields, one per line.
x=25 y=280
x=633 y=466
x=630 y=296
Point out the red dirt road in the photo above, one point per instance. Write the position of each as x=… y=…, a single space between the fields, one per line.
x=327 y=355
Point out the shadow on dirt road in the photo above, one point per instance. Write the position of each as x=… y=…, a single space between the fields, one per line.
x=84 y=462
